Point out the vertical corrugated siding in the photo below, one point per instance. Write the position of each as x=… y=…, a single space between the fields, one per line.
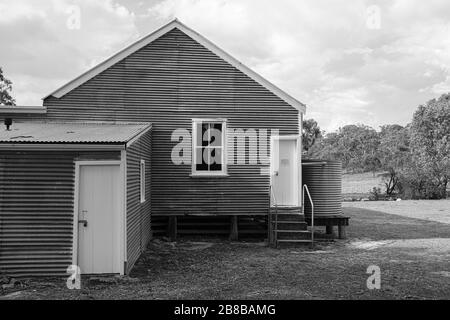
x=36 y=210
x=138 y=214
x=167 y=83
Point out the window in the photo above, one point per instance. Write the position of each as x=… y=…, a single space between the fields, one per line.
x=208 y=136
x=142 y=180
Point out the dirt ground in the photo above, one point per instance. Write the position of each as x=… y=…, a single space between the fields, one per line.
x=413 y=255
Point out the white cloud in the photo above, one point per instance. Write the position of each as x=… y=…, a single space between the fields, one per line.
x=16 y=10
x=41 y=52
x=441 y=87
x=320 y=51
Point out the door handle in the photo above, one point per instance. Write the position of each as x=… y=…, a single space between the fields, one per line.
x=84 y=222
x=276 y=173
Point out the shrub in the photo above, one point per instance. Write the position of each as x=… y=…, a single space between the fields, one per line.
x=375 y=194
x=419 y=185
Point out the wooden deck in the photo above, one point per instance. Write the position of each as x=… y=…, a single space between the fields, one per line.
x=330 y=222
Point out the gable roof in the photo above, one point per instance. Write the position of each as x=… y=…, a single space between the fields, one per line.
x=194 y=35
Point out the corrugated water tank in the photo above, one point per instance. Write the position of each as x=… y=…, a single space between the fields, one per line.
x=324 y=181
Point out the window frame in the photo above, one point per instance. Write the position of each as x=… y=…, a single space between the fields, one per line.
x=142 y=186
x=221 y=173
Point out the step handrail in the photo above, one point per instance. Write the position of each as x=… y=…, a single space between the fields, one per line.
x=305 y=187
x=269 y=218
x=274 y=232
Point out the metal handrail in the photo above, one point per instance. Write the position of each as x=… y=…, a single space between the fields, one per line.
x=274 y=232
x=269 y=218
x=305 y=187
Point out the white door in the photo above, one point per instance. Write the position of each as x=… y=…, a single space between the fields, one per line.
x=284 y=175
x=99 y=209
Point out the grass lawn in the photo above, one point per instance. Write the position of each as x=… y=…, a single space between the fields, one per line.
x=433 y=210
x=413 y=255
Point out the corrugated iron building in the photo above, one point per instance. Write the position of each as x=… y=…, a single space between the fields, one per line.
x=169 y=82
x=37 y=191
x=170 y=78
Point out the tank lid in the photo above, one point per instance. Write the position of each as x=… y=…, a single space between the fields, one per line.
x=320 y=161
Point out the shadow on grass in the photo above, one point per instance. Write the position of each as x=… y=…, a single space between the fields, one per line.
x=378 y=225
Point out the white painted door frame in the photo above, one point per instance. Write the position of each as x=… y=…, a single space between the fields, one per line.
x=122 y=199
x=297 y=167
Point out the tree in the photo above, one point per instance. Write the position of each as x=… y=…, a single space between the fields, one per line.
x=5 y=90
x=354 y=145
x=394 y=155
x=430 y=144
x=325 y=147
x=311 y=132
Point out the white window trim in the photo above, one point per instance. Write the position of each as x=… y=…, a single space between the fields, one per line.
x=223 y=172
x=142 y=180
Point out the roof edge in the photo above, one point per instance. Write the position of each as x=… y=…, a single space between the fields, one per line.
x=137 y=136
x=110 y=61
x=142 y=42
x=23 y=110
x=87 y=122
x=36 y=146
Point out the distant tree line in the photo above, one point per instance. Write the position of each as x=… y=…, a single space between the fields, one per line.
x=415 y=159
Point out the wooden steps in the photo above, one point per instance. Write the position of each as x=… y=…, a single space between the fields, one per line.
x=293 y=234
x=282 y=216
x=293 y=243
x=289 y=227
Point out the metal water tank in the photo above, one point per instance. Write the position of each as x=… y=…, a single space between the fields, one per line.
x=324 y=181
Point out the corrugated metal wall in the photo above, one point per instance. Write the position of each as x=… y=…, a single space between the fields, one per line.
x=138 y=214
x=167 y=83
x=36 y=210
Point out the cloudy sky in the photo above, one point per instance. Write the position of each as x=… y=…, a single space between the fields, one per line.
x=357 y=61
